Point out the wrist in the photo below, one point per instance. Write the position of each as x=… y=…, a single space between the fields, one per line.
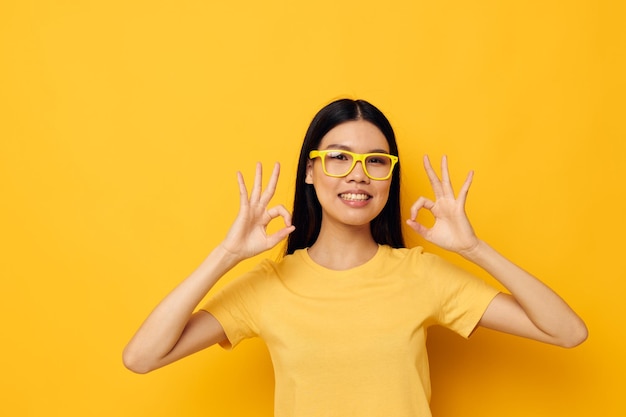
x=475 y=251
x=226 y=256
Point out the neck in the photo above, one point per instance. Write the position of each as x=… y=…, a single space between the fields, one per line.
x=344 y=247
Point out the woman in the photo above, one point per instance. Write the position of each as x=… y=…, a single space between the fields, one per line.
x=345 y=312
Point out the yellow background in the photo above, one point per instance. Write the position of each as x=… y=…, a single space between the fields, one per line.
x=122 y=124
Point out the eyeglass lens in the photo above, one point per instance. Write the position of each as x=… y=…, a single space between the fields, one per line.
x=340 y=163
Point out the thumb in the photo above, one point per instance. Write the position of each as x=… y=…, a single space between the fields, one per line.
x=418 y=227
x=275 y=238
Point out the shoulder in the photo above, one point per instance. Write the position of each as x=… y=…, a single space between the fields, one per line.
x=418 y=262
x=266 y=271
x=407 y=257
x=252 y=280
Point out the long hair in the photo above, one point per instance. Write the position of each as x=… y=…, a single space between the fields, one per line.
x=386 y=228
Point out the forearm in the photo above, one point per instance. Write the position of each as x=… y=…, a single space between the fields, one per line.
x=543 y=307
x=162 y=329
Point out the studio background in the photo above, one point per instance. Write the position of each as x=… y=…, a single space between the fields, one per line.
x=123 y=123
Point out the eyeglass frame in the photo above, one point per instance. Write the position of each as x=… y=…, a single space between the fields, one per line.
x=356 y=157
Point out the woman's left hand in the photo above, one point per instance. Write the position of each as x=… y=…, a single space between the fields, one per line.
x=452 y=230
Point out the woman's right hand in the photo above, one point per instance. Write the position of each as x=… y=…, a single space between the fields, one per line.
x=248 y=236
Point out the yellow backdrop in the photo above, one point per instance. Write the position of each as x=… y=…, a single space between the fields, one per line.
x=122 y=124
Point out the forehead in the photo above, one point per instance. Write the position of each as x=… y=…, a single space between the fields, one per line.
x=356 y=135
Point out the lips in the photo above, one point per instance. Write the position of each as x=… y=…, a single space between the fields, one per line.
x=355 y=196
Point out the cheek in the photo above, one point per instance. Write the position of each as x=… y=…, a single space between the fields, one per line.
x=383 y=196
x=324 y=186
x=320 y=181
x=384 y=189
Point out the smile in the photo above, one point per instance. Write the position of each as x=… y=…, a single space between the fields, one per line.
x=354 y=197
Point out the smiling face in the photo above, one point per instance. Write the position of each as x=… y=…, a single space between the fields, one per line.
x=355 y=199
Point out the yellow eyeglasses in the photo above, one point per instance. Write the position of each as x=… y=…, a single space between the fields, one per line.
x=339 y=163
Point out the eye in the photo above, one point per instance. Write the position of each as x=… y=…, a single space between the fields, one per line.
x=379 y=160
x=338 y=155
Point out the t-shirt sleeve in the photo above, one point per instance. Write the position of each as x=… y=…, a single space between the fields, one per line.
x=236 y=307
x=462 y=297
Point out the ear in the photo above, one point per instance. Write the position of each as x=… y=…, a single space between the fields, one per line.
x=309 y=172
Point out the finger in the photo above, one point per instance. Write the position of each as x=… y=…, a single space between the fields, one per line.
x=279 y=235
x=421 y=203
x=435 y=183
x=276 y=237
x=466 y=186
x=258 y=183
x=271 y=186
x=445 y=177
x=243 y=191
x=280 y=211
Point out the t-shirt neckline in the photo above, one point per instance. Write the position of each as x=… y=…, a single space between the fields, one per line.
x=342 y=272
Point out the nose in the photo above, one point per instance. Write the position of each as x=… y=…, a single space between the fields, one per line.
x=358 y=173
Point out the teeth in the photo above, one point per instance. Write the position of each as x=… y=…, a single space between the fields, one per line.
x=354 y=197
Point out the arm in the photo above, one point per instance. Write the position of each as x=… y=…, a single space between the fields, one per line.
x=532 y=309
x=172 y=330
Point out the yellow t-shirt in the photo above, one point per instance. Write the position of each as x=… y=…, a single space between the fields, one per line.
x=351 y=343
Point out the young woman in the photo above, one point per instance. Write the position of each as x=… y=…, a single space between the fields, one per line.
x=345 y=312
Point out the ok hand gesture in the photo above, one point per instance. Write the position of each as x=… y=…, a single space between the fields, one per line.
x=452 y=229
x=248 y=236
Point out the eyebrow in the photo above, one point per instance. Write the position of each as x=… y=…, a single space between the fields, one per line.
x=347 y=148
